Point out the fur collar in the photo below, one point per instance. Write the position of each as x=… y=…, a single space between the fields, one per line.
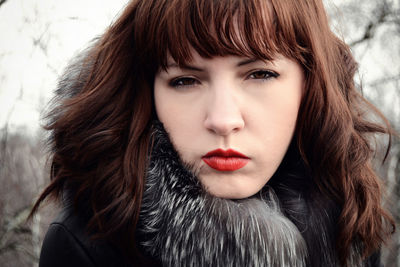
x=289 y=223
x=182 y=225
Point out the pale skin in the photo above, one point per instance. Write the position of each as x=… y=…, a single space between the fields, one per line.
x=231 y=102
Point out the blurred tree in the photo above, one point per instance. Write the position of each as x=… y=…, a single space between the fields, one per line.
x=21 y=176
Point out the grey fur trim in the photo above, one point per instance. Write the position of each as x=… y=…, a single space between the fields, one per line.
x=314 y=214
x=76 y=73
x=182 y=225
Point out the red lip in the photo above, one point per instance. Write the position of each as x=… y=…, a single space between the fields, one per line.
x=225 y=160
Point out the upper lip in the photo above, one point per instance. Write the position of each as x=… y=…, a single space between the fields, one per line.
x=225 y=153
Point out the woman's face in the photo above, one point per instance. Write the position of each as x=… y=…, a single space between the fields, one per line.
x=232 y=118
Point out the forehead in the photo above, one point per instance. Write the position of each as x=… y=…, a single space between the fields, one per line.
x=195 y=57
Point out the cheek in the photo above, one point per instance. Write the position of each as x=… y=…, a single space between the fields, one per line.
x=276 y=115
x=276 y=126
x=180 y=119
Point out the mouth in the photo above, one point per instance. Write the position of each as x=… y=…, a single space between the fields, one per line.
x=225 y=160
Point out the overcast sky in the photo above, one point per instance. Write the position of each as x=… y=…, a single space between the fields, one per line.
x=38 y=37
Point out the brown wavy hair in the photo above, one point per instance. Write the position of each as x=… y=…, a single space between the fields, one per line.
x=101 y=129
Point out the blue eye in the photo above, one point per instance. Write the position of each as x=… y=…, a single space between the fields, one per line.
x=183 y=82
x=263 y=75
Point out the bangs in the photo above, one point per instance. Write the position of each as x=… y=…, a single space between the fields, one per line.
x=247 y=28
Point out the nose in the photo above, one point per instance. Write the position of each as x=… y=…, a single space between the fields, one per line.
x=224 y=114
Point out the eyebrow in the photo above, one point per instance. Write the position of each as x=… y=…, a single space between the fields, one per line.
x=247 y=61
x=193 y=68
x=183 y=66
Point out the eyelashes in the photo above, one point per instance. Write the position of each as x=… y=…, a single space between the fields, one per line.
x=263 y=75
x=187 y=81
x=183 y=81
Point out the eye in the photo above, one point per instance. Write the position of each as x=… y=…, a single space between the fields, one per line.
x=263 y=75
x=183 y=82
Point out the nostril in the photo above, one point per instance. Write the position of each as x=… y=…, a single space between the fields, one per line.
x=224 y=114
x=224 y=126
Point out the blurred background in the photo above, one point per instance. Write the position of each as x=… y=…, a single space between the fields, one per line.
x=39 y=37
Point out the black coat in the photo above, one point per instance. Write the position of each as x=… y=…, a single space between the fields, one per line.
x=67 y=244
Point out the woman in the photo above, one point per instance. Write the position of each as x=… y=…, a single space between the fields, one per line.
x=214 y=133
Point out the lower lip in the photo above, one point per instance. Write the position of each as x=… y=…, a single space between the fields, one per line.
x=225 y=163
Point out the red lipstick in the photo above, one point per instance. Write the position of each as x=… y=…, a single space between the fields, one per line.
x=225 y=160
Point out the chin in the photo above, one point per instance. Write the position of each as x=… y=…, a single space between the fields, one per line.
x=234 y=195
x=240 y=184
x=231 y=192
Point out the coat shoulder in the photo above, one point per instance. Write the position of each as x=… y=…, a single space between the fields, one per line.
x=68 y=244
x=62 y=248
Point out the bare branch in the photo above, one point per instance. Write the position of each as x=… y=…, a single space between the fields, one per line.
x=8 y=247
x=387 y=79
x=2 y=2
x=370 y=29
